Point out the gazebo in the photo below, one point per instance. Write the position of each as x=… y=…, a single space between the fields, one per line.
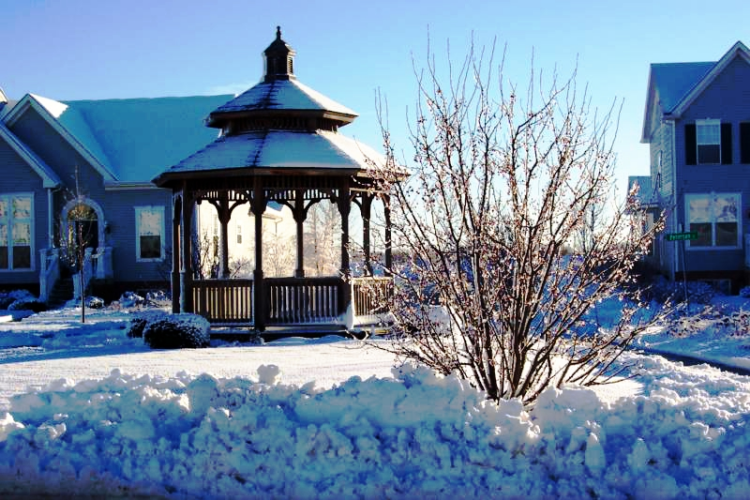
x=279 y=142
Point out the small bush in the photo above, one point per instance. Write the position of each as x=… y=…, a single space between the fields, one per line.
x=177 y=331
x=138 y=323
x=5 y=302
x=7 y=298
x=28 y=305
x=130 y=299
x=745 y=292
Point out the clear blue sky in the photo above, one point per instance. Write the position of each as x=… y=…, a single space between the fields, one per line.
x=94 y=49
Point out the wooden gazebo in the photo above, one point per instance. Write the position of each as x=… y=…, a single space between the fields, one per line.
x=279 y=142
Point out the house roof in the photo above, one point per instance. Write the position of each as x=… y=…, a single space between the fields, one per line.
x=130 y=140
x=645 y=195
x=672 y=87
x=280 y=149
x=49 y=177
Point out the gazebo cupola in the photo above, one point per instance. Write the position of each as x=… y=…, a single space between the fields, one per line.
x=279 y=143
x=279 y=59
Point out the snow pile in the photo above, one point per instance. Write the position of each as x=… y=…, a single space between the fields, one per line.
x=414 y=435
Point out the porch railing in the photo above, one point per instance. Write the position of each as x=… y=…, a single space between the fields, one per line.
x=49 y=272
x=304 y=300
x=224 y=301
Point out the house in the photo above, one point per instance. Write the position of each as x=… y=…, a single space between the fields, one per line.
x=111 y=149
x=697 y=125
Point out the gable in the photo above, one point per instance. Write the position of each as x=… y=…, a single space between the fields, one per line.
x=14 y=145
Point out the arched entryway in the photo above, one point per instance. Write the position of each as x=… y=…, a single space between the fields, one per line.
x=82 y=222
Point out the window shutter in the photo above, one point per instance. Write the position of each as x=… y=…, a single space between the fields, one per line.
x=745 y=142
x=690 y=145
x=726 y=143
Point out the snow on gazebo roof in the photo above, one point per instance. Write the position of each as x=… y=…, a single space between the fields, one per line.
x=282 y=95
x=286 y=149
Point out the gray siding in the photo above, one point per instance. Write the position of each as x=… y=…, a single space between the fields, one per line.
x=728 y=99
x=16 y=176
x=117 y=205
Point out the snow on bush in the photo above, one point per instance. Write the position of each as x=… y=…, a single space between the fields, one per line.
x=177 y=331
x=28 y=304
x=417 y=435
x=138 y=322
x=7 y=298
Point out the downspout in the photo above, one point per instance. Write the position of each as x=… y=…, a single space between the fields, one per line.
x=674 y=194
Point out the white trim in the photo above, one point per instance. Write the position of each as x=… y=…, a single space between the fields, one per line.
x=149 y=208
x=711 y=196
x=705 y=123
x=32 y=234
x=83 y=200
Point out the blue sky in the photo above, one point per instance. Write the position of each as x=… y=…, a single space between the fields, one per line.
x=91 y=49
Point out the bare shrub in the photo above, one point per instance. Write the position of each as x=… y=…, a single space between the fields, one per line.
x=495 y=283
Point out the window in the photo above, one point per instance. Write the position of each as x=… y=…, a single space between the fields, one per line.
x=239 y=234
x=745 y=142
x=16 y=228
x=716 y=219
x=708 y=142
x=149 y=228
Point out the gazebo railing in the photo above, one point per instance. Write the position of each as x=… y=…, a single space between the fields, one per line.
x=369 y=295
x=224 y=301
x=304 y=300
x=290 y=301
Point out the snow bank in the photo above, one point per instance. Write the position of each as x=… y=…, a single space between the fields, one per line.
x=413 y=435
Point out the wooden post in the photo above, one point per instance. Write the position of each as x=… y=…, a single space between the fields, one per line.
x=366 y=213
x=345 y=206
x=258 y=206
x=186 y=275
x=300 y=214
x=176 y=214
x=388 y=243
x=224 y=215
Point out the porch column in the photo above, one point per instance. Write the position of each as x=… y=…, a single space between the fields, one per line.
x=366 y=213
x=50 y=219
x=300 y=214
x=258 y=206
x=176 y=214
x=388 y=242
x=345 y=206
x=186 y=274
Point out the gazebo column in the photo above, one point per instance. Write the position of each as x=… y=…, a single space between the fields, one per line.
x=300 y=214
x=366 y=214
x=224 y=215
x=176 y=214
x=258 y=206
x=186 y=274
x=345 y=207
x=388 y=242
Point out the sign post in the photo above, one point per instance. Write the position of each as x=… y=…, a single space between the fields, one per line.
x=683 y=237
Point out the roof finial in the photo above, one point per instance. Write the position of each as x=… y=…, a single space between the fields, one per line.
x=278 y=32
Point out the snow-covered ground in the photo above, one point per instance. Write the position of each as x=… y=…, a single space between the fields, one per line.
x=87 y=410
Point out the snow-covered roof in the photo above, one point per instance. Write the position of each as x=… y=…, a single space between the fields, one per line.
x=131 y=140
x=645 y=195
x=283 y=95
x=281 y=149
x=138 y=138
x=674 y=80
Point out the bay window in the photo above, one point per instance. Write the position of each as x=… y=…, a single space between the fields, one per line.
x=16 y=229
x=716 y=219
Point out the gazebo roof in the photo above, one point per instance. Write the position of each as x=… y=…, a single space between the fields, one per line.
x=281 y=96
x=280 y=149
x=278 y=125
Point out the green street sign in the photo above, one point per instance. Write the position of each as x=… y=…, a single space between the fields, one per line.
x=690 y=235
